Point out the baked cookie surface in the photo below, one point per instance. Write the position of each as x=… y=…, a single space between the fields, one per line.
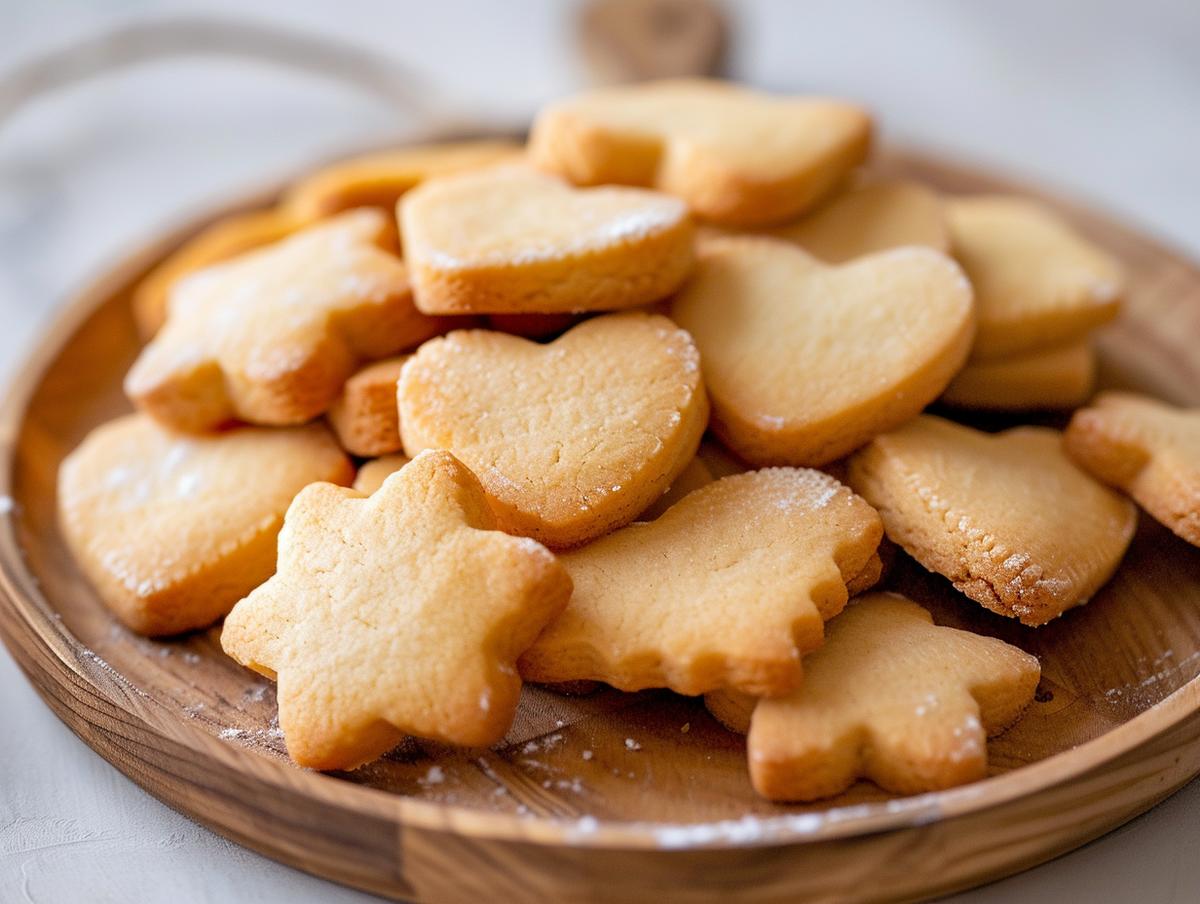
x=805 y=362
x=738 y=157
x=891 y=697
x=727 y=589
x=1006 y=517
x=1147 y=448
x=511 y=240
x=272 y=336
x=570 y=439
x=1043 y=380
x=1038 y=284
x=173 y=529
x=364 y=416
x=398 y=613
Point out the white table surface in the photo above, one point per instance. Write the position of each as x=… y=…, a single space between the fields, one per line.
x=1101 y=99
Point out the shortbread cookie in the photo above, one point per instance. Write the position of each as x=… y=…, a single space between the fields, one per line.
x=1006 y=517
x=173 y=529
x=1147 y=448
x=373 y=473
x=364 y=416
x=510 y=240
x=805 y=362
x=570 y=439
x=379 y=179
x=1038 y=284
x=398 y=613
x=219 y=242
x=692 y=477
x=1056 y=378
x=728 y=589
x=891 y=697
x=271 y=336
x=738 y=157
x=869 y=217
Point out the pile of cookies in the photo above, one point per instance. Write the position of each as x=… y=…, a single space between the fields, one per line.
x=633 y=404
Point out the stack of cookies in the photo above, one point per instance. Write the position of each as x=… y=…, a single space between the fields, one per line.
x=635 y=404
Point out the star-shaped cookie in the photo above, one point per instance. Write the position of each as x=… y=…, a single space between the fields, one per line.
x=893 y=698
x=271 y=336
x=398 y=613
x=1147 y=448
x=727 y=589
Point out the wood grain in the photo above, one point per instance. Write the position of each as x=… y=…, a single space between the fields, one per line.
x=565 y=809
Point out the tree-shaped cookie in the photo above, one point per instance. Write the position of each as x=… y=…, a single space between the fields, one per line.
x=271 y=336
x=727 y=589
x=570 y=439
x=511 y=240
x=1006 y=517
x=805 y=362
x=1147 y=448
x=738 y=157
x=398 y=613
x=1038 y=284
x=893 y=698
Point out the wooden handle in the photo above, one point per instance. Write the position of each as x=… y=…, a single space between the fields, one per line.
x=636 y=40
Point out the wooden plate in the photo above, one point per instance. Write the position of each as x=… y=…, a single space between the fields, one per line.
x=614 y=796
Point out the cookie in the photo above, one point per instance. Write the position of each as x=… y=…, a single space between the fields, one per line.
x=570 y=439
x=738 y=157
x=173 y=529
x=1056 y=378
x=364 y=415
x=272 y=336
x=379 y=179
x=510 y=240
x=400 y=613
x=891 y=697
x=1148 y=449
x=1038 y=284
x=729 y=588
x=219 y=242
x=869 y=217
x=805 y=362
x=692 y=477
x=1006 y=517
x=373 y=473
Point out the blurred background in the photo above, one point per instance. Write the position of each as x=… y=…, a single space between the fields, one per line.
x=1098 y=98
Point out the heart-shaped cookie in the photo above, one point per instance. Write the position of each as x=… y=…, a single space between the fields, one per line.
x=738 y=157
x=510 y=240
x=805 y=362
x=1006 y=517
x=570 y=439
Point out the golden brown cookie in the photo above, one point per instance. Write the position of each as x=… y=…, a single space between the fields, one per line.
x=728 y=589
x=398 y=613
x=510 y=240
x=1055 y=378
x=891 y=697
x=871 y=216
x=1006 y=517
x=738 y=157
x=222 y=240
x=1038 y=284
x=272 y=336
x=373 y=473
x=805 y=362
x=570 y=439
x=173 y=529
x=379 y=179
x=364 y=416
x=1148 y=449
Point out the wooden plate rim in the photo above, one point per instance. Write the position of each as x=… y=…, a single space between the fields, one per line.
x=32 y=615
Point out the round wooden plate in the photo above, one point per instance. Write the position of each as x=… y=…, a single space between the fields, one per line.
x=615 y=796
